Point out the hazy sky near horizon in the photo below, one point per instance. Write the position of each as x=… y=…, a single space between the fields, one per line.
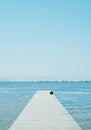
x=45 y=40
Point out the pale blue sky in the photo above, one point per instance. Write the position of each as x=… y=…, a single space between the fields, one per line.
x=45 y=40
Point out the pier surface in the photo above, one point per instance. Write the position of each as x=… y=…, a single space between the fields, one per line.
x=44 y=112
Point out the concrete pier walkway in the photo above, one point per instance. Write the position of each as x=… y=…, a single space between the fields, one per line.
x=44 y=112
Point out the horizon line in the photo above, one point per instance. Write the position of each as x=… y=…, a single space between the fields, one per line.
x=45 y=81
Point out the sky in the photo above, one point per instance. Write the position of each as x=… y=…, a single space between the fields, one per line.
x=45 y=40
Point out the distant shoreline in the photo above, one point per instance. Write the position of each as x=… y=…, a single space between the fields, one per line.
x=45 y=81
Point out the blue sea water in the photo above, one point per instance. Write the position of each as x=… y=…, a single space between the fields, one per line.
x=75 y=97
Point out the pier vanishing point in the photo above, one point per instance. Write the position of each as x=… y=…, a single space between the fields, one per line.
x=44 y=112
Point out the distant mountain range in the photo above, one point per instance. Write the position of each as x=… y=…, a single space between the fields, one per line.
x=4 y=80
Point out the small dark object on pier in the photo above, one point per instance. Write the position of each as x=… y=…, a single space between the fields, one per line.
x=51 y=92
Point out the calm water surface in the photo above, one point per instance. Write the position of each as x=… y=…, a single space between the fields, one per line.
x=75 y=96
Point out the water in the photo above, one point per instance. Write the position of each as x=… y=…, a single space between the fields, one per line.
x=75 y=96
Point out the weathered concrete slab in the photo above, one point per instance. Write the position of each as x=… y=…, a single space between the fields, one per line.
x=44 y=112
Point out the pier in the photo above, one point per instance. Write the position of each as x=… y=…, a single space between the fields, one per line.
x=44 y=112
